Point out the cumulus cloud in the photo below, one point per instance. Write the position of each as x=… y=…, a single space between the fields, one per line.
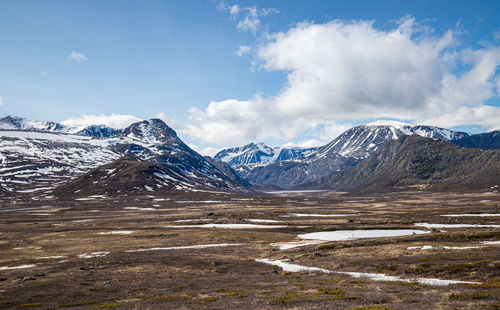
x=242 y=50
x=76 y=56
x=342 y=71
x=116 y=121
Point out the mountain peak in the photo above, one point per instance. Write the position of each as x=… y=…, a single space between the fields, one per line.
x=150 y=131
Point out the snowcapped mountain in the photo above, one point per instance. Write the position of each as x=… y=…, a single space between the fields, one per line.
x=40 y=160
x=259 y=154
x=19 y=123
x=346 y=150
x=362 y=140
x=412 y=160
x=99 y=131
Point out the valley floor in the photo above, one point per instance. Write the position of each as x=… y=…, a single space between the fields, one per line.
x=159 y=252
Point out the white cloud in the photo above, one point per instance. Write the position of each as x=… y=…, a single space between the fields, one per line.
x=483 y=115
x=340 y=71
x=205 y=151
x=251 y=21
x=116 y=121
x=242 y=50
x=305 y=143
x=268 y=11
x=248 y=18
x=76 y=56
x=234 y=10
x=496 y=35
x=1 y=101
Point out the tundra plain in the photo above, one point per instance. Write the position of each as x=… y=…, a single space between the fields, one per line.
x=169 y=251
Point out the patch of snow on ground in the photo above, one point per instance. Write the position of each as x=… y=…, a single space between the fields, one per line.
x=316 y=215
x=200 y=246
x=51 y=257
x=342 y=235
x=472 y=215
x=93 y=254
x=192 y=220
x=117 y=232
x=461 y=247
x=371 y=276
x=428 y=225
x=141 y=209
x=490 y=242
x=17 y=267
x=262 y=221
x=228 y=226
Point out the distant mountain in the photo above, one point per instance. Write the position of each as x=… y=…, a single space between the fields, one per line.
x=32 y=161
x=99 y=131
x=259 y=154
x=19 y=123
x=485 y=141
x=344 y=151
x=414 y=160
x=362 y=140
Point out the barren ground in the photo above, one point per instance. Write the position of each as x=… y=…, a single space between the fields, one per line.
x=76 y=267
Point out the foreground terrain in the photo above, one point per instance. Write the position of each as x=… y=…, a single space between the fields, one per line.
x=141 y=252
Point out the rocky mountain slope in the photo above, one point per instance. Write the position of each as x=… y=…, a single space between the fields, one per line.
x=228 y=171
x=485 y=141
x=129 y=175
x=414 y=160
x=33 y=161
x=259 y=153
x=344 y=151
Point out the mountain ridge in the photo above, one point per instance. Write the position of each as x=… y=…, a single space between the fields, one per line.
x=415 y=160
x=346 y=150
x=33 y=161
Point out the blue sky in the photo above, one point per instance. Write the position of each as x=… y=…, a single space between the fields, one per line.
x=178 y=60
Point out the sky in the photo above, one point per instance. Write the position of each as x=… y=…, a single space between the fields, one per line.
x=227 y=73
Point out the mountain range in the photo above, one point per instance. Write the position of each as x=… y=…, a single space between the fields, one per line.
x=345 y=151
x=35 y=157
x=50 y=158
x=417 y=161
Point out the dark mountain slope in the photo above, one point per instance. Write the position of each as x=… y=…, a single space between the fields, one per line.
x=485 y=141
x=414 y=160
x=130 y=176
x=228 y=171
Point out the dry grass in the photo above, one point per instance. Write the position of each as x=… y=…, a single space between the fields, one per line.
x=228 y=277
